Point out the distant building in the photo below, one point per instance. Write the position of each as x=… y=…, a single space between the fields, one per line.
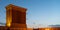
x=29 y=28
x=36 y=29
x=51 y=27
x=54 y=25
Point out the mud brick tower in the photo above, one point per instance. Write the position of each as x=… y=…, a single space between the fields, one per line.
x=15 y=16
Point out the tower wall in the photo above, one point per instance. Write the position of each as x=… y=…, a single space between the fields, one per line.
x=15 y=16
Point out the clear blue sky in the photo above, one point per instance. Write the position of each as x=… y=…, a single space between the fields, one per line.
x=39 y=12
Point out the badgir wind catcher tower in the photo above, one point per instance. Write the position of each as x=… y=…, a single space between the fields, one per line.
x=15 y=16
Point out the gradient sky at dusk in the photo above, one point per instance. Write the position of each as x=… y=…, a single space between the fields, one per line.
x=39 y=12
